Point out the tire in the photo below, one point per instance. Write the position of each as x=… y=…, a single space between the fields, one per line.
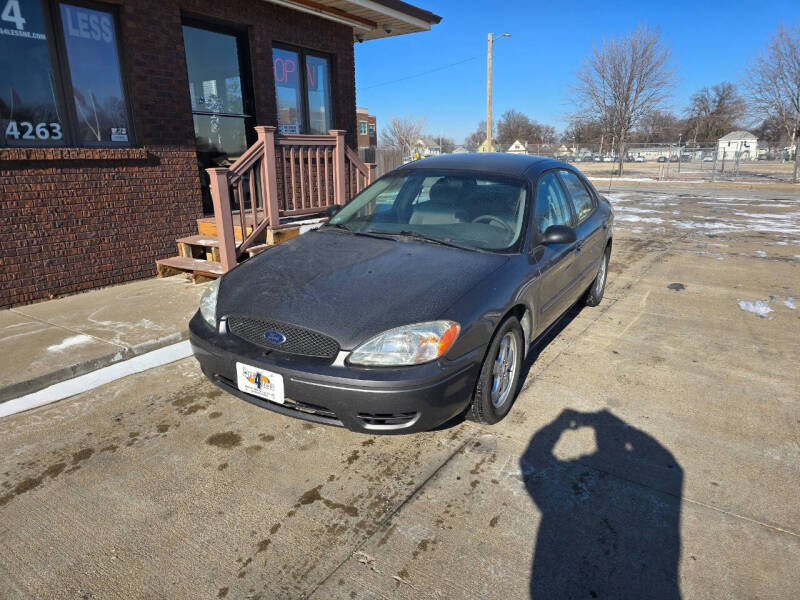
x=594 y=294
x=488 y=407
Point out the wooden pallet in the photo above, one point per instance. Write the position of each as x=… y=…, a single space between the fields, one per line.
x=199 y=246
x=206 y=226
x=199 y=269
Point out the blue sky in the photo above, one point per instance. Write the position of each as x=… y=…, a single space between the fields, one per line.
x=711 y=41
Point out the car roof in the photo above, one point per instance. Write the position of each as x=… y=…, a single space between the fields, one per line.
x=509 y=165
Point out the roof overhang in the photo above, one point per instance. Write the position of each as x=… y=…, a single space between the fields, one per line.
x=369 y=19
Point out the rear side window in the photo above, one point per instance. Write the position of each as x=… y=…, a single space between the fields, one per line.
x=551 y=203
x=581 y=197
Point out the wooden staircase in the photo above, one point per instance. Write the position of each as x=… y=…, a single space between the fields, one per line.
x=280 y=187
x=198 y=255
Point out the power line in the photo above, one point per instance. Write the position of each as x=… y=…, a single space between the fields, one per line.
x=369 y=87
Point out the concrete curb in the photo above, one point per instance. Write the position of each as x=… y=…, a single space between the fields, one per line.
x=21 y=388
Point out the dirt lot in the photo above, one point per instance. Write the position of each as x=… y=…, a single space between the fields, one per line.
x=654 y=451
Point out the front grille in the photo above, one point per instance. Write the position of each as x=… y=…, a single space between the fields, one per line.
x=299 y=340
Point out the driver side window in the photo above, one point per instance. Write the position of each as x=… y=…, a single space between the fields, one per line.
x=551 y=204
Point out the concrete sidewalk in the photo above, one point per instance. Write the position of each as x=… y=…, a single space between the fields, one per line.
x=49 y=342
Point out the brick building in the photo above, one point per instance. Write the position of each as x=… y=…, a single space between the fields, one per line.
x=110 y=112
x=367 y=130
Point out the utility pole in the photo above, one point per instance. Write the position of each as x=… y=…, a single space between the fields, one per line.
x=680 y=152
x=490 y=42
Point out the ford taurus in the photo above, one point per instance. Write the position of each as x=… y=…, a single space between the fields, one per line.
x=418 y=300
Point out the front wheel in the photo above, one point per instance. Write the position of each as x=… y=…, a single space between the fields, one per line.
x=595 y=293
x=499 y=376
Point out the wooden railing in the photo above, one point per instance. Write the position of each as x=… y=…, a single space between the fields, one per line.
x=281 y=176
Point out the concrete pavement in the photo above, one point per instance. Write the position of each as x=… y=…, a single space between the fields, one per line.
x=52 y=341
x=654 y=451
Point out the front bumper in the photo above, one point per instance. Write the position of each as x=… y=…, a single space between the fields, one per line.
x=369 y=400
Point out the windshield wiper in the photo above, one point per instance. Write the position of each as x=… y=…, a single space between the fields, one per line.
x=343 y=227
x=427 y=238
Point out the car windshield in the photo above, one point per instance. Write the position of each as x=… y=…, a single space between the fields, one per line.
x=469 y=210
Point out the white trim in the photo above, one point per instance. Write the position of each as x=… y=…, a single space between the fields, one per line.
x=390 y=12
x=95 y=379
x=323 y=14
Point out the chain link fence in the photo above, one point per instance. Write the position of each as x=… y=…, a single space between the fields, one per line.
x=707 y=162
x=652 y=161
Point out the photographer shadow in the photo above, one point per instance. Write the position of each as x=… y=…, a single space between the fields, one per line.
x=610 y=519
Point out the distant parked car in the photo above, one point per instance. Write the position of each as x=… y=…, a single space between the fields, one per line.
x=686 y=157
x=397 y=321
x=597 y=158
x=639 y=158
x=608 y=158
x=673 y=158
x=708 y=158
x=763 y=157
x=661 y=159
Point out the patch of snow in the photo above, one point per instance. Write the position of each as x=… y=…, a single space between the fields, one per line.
x=760 y=253
x=633 y=209
x=635 y=219
x=711 y=226
x=75 y=340
x=778 y=216
x=789 y=303
x=758 y=307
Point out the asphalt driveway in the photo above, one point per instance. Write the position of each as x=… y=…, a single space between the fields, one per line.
x=654 y=449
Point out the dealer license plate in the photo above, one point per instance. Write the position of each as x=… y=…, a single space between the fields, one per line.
x=258 y=382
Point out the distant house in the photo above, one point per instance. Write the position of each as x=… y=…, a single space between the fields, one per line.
x=460 y=150
x=517 y=148
x=426 y=146
x=482 y=147
x=741 y=144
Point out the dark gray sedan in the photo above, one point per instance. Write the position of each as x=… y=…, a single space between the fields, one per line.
x=419 y=299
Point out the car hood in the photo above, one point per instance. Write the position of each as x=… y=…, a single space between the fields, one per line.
x=353 y=287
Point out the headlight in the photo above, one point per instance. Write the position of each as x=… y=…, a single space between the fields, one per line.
x=407 y=345
x=208 y=303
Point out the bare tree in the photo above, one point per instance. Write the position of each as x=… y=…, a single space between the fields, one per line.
x=624 y=80
x=402 y=132
x=773 y=80
x=657 y=127
x=477 y=137
x=714 y=112
x=514 y=125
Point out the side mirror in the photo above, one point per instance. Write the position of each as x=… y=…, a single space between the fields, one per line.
x=559 y=234
x=332 y=210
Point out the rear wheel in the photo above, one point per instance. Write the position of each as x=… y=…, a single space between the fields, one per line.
x=595 y=293
x=499 y=376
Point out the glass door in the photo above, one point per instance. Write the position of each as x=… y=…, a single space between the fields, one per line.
x=222 y=99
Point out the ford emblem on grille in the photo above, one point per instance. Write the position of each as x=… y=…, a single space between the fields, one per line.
x=274 y=337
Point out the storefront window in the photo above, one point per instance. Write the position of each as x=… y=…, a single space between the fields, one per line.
x=55 y=94
x=29 y=113
x=319 y=95
x=94 y=70
x=304 y=103
x=287 y=91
